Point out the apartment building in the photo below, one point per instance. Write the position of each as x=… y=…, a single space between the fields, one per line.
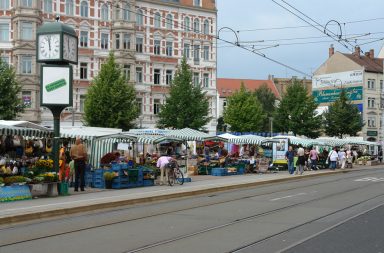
x=149 y=39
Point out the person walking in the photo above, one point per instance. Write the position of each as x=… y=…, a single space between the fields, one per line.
x=79 y=155
x=333 y=156
x=314 y=157
x=162 y=163
x=289 y=155
x=300 y=160
x=63 y=162
x=342 y=158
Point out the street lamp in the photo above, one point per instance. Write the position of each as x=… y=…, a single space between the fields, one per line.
x=271 y=124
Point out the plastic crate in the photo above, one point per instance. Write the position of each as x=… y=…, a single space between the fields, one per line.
x=149 y=182
x=219 y=172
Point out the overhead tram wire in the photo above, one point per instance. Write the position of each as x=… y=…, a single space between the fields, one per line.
x=314 y=26
x=179 y=25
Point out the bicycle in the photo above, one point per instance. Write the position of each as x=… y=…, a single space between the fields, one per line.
x=174 y=174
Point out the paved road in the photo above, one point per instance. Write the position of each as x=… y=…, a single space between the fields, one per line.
x=286 y=217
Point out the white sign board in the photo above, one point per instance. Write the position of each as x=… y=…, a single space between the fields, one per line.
x=56 y=85
x=279 y=149
x=338 y=80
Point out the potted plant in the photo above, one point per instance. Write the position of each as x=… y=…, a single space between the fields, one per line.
x=108 y=178
x=19 y=180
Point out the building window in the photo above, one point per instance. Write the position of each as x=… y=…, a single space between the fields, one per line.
x=69 y=7
x=127 y=41
x=5 y=59
x=117 y=12
x=127 y=72
x=26 y=31
x=196 y=80
x=196 y=3
x=127 y=12
x=26 y=64
x=187 y=49
x=206 y=53
x=157 y=21
x=26 y=97
x=206 y=27
x=84 y=9
x=139 y=75
x=156 y=76
x=48 y=6
x=104 y=41
x=371 y=84
x=83 y=70
x=196 y=53
x=117 y=41
x=4 y=32
x=381 y=85
x=156 y=47
x=169 y=48
x=139 y=102
x=371 y=122
x=187 y=24
x=4 y=4
x=371 y=103
x=169 y=22
x=196 y=26
x=139 y=45
x=139 y=17
x=82 y=102
x=104 y=12
x=206 y=80
x=26 y=3
x=156 y=106
x=168 y=79
x=83 y=39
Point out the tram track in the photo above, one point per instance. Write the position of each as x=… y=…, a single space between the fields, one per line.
x=194 y=207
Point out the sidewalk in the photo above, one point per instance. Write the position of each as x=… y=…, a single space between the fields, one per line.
x=93 y=199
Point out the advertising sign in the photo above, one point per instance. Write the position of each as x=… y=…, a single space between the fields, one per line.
x=329 y=96
x=279 y=149
x=56 y=85
x=338 y=80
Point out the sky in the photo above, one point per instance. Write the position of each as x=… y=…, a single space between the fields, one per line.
x=260 y=16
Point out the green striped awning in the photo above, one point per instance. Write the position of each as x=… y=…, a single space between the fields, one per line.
x=188 y=134
x=25 y=132
x=155 y=139
x=248 y=139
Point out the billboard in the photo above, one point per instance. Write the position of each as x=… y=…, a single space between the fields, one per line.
x=338 y=80
x=329 y=96
x=56 y=85
x=279 y=149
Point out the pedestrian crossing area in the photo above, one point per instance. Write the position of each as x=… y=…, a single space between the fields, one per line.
x=370 y=179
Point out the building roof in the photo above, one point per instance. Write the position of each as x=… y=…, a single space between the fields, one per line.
x=226 y=86
x=374 y=65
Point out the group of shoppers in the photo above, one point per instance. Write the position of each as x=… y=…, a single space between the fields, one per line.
x=310 y=158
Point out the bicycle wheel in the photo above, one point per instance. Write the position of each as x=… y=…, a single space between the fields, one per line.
x=179 y=177
x=171 y=177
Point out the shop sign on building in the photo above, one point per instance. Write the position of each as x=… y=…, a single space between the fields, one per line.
x=56 y=85
x=338 y=80
x=371 y=133
x=329 y=96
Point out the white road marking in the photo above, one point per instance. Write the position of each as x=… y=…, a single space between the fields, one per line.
x=370 y=179
x=289 y=196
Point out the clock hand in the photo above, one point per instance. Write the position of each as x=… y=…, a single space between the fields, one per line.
x=49 y=43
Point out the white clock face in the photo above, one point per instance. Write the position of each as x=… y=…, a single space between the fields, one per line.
x=70 y=48
x=49 y=46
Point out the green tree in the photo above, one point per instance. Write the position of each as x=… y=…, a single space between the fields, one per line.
x=10 y=103
x=342 y=118
x=244 y=112
x=186 y=105
x=296 y=112
x=111 y=101
x=267 y=100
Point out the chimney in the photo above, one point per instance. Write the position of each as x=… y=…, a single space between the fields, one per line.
x=367 y=54
x=357 y=51
x=372 y=54
x=271 y=77
x=331 y=50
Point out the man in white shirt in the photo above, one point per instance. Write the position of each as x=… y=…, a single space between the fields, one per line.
x=300 y=160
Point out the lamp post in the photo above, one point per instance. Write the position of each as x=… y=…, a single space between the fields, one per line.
x=271 y=124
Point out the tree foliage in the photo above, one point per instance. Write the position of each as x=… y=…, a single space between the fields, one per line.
x=111 y=101
x=342 y=118
x=267 y=100
x=244 y=112
x=186 y=105
x=10 y=103
x=296 y=112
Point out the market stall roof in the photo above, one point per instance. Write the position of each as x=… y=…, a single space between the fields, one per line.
x=153 y=131
x=332 y=141
x=139 y=138
x=228 y=136
x=188 y=134
x=24 y=131
x=300 y=141
x=248 y=139
x=87 y=133
x=23 y=123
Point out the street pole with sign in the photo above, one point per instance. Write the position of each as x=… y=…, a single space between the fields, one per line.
x=56 y=48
